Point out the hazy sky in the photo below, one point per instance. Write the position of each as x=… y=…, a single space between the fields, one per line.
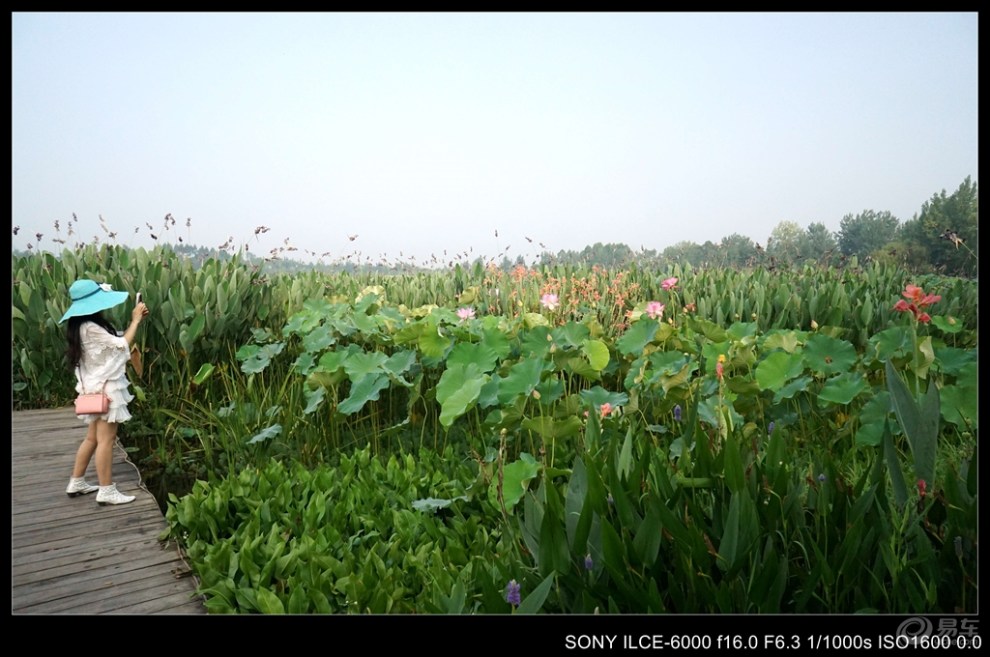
x=421 y=133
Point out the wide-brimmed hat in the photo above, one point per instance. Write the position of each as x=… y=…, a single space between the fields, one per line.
x=89 y=297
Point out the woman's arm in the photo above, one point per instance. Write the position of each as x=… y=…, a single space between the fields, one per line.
x=138 y=314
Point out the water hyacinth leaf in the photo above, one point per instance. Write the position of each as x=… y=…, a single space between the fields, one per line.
x=515 y=480
x=597 y=353
x=828 y=355
x=732 y=466
x=843 y=388
x=646 y=543
x=777 y=369
x=363 y=390
x=574 y=499
x=188 y=335
x=269 y=603
x=625 y=461
x=266 y=434
x=457 y=390
x=313 y=399
x=533 y=602
x=637 y=337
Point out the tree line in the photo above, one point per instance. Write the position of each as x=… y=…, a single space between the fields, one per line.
x=941 y=238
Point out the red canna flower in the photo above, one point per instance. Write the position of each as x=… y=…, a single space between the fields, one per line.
x=922 y=487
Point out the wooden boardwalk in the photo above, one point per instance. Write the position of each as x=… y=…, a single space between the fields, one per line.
x=70 y=555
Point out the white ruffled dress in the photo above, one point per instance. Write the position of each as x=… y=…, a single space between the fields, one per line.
x=104 y=358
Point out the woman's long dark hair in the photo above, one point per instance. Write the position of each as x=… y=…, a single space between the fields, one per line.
x=75 y=349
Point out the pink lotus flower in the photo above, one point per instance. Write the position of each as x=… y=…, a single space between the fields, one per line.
x=606 y=409
x=465 y=313
x=669 y=283
x=654 y=309
x=549 y=301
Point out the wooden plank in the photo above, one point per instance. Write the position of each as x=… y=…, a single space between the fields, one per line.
x=71 y=555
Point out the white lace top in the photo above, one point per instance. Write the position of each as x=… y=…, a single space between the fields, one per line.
x=104 y=358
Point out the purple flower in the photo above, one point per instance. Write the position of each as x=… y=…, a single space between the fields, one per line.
x=512 y=593
x=589 y=563
x=677 y=412
x=770 y=428
x=822 y=477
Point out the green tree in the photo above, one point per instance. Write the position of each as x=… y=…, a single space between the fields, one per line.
x=784 y=243
x=866 y=232
x=737 y=250
x=819 y=244
x=948 y=227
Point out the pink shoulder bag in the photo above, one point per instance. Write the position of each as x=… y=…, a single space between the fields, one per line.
x=96 y=403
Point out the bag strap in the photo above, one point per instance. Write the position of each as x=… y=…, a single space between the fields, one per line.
x=103 y=389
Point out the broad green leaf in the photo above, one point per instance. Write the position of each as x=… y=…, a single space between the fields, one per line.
x=318 y=339
x=947 y=324
x=480 y=354
x=266 y=434
x=829 y=356
x=571 y=335
x=521 y=379
x=457 y=390
x=873 y=419
x=799 y=384
x=205 y=371
x=533 y=602
x=515 y=480
x=549 y=428
x=777 y=369
x=843 y=388
x=362 y=364
x=268 y=602
x=363 y=390
x=597 y=353
x=313 y=399
x=598 y=395
x=637 y=337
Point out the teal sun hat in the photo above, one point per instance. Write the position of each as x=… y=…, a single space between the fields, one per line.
x=89 y=297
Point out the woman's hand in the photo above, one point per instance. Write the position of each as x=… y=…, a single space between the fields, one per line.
x=140 y=312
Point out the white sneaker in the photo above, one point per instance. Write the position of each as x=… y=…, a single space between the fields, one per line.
x=110 y=495
x=79 y=486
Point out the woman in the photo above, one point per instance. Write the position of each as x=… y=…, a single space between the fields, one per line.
x=99 y=353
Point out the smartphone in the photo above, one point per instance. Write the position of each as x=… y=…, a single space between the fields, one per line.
x=138 y=297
